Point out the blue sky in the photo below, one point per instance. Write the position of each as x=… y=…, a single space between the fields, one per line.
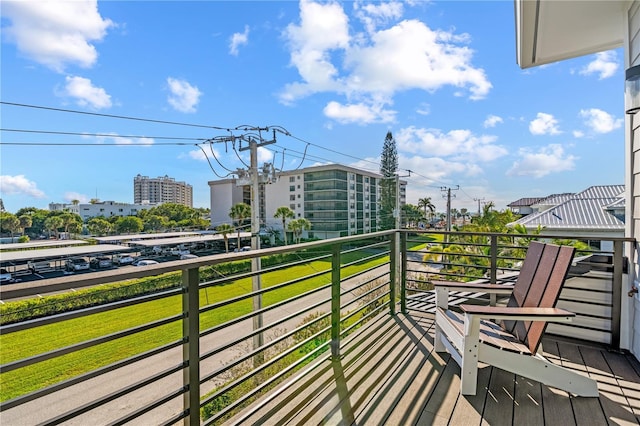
x=441 y=76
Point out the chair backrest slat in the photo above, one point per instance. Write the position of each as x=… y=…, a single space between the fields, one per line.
x=542 y=275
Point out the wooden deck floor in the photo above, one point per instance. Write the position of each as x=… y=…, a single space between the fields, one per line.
x=389 y=374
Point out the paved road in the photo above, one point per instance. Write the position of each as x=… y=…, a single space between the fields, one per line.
x=50 y=406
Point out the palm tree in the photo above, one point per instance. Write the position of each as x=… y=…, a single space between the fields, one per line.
x=53 y=223
x=426 y=204
x=239 y=212
x=285 y=213
x=297 y=226
x=225 y=229
x=25 y=222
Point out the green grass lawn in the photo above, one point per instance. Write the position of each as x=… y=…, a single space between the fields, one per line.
x=31 y=342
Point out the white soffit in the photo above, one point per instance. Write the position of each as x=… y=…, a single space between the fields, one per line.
x=553 y=30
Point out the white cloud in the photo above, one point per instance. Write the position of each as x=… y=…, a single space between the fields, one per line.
x=69 y=196
x=492 y=121
x=56 y=33
x=578 y=134
x=238 y=39
x=184 y=97
x=600 y=121
x=461 y=145
x=85 y=93
x=375 y=14
x=358 y=113
x=264 y=155
x=548 y=160
x=369 y=69
x=424 y=109
x=19 y=185
x=544 y=124
x=605 y=64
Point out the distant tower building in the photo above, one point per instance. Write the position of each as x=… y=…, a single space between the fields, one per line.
x=161 y=190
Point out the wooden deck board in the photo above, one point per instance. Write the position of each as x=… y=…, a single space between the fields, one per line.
x=389 y=374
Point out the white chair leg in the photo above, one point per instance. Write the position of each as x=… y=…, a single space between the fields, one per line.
x=469 y=367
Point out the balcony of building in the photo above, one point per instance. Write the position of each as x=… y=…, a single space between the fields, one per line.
x=329 y=332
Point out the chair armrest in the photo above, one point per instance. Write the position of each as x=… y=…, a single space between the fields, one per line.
x=515 y=313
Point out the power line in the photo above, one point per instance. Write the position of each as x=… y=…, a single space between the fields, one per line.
x=123 y=117
x=100 y=135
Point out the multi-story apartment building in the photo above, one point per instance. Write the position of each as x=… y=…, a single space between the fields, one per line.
x=160 y=190
x=101 y=208
x=338 y=200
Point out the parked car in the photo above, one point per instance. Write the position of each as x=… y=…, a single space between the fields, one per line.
x=123 y=259
x=41 y=266
x=101 y=262
x=77 y=264
x=5 y=276
x=146 y=262
x=188 y=256
x=245 y=248
x=177 y=251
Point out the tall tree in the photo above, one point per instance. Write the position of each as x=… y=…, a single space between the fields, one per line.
x=426 y=204
x=25 y=222
x=225 y=229
x=284 y=213
x=297 y=226
x=239 y=213
x=388 y=170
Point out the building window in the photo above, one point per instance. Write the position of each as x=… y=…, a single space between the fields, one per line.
x=298 y=186
x=292 y=206
x=292 y=179
x=292 y=188
x=298 y=195
x=292 y=197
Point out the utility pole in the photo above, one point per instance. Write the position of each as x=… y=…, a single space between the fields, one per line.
x=479 y=200
x=256 y=266
x=448 y=195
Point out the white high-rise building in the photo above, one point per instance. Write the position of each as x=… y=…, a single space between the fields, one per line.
x=338 y=200
x=160 y=190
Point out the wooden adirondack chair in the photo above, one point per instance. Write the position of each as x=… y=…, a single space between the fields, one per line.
x=514 y=344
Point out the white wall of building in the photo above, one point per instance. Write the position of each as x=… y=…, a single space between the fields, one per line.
x=631 y=310
x=104 y=208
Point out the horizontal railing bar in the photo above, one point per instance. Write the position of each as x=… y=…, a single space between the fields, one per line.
x=257 y=370
x=263 y=310
x=261 y=330
x=262 y=291
x=113 y=396
x=253 y=353
x=86 y=344
x=292 y=381
x=143 y=410
x=249 y=274
x=365 y=317
x=363 y=295
x=269 y=381
x=84 y=377
x=52 y=319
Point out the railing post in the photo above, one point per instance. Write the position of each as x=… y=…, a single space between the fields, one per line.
x=493 y=273
x=403 y=273
x=616 y=309
x=393 y=271
x=335 y=300
x=191 y=346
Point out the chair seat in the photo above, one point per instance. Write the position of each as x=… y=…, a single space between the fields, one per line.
x=490 y=333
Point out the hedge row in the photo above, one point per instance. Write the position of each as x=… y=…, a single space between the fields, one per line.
x=23 y=310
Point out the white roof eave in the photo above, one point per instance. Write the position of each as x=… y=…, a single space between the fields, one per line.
x=550 y=31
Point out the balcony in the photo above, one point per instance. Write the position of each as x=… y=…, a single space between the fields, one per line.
x=336 y=332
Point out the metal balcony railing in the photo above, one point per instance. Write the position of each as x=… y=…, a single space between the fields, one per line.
x=200 y=342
